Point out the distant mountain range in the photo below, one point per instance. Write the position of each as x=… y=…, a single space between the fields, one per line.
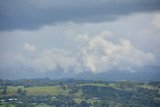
x=149 y=73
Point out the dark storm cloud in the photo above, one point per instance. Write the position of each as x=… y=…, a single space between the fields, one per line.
x=32 y=14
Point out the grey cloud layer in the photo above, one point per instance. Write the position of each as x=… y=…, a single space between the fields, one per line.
x=125 y=45
x=100 y=55
x=32 y=14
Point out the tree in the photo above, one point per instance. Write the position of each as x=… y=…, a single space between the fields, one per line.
x=25 y=105
x=84 y=104
x=19 y=91
x=4 y=91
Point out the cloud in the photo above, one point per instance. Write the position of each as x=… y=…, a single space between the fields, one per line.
x=22 y=14
x=54 y=59
x=124 y=45
x=102 y=55
x=29 y=47
x=45 y=60
x=156 y=21
x=82 y=38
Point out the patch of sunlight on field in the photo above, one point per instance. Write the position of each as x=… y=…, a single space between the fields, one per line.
x=147 y=86
x=12 y=90
x=78 y=100
x=111 y=85
x=51 y=90
x=95 y=84
x=47 y=90
x=44 y=105
x=10 y=105
x=92 y=101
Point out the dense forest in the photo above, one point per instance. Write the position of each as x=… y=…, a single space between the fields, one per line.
x=78 y=93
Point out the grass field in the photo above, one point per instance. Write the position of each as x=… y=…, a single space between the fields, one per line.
x=95 y=84
x=12 y=90
x=57 y=90
x=51 y=90
x=40 y=105
x=10 y=105
x=44 y=105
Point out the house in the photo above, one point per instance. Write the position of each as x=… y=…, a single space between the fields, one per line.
x=95 y=98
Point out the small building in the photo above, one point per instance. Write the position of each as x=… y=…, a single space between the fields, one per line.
x=95 y=98
x=10 y=99
x=53 y=97
x=2 y=100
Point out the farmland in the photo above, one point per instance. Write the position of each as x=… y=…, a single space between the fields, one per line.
x=78 y=93
x=36 y=90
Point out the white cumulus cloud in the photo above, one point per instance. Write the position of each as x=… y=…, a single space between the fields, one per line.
x=156 y=21
x=29 y=47
x=102 y=55
x=53 y=59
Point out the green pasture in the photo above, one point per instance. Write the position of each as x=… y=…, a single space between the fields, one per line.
x=46 y=90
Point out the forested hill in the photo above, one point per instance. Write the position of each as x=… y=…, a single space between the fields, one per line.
x=146 y=74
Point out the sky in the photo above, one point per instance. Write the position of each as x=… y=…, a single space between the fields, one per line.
x=75 y=36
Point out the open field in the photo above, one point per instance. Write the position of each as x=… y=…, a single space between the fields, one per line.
x=44 y=105
x=40 y=105
x=50 y=90
x=10 y=105
x=46 y=90
x=97 y=93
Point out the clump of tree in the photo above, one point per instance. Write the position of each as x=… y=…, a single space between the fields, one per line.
x=139 y=96
x=21 y=92
x=25 y=105
x=84 y=104
x=4 y=92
